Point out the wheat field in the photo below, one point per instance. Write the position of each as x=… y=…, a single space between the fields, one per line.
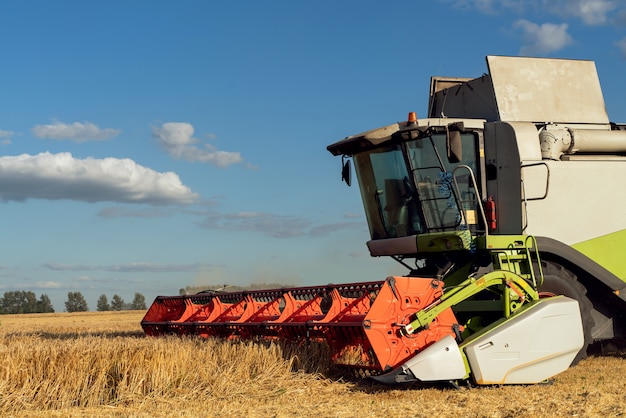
x=100 y=364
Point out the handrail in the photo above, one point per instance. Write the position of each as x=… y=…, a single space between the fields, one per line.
x=475 y=185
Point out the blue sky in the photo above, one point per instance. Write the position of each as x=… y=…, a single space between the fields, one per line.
x=151 y=145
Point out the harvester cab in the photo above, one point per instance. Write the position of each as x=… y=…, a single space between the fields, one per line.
x=476 y=201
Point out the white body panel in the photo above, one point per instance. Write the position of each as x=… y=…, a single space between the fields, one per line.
x=532 y=346
x=584 y=199
x=439 y=361
x=524 y=90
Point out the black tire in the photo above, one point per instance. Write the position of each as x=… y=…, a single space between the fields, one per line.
x=557 y=280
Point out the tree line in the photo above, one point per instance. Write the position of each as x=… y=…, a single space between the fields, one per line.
x=21 y=302
x=118 y=304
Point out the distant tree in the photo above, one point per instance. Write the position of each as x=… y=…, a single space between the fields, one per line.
x=44 y=305
x=103 y=304
x=76 y=302
x=139 y=302
x=23 y=302
x=117 y=303
x=11 y=303
x=30 y=302
x=19 y=302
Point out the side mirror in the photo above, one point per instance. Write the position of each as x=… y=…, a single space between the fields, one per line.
x=454 y=147
x=346 y=171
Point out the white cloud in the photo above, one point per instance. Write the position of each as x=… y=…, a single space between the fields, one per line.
x=591 y=12
x=492 y=6
x=496 y=5
x=5 y=137
x=139 y=267
x=126 y=212
x=542 y=39
x=550 y=37
x=46 y=285
x=620 y=17
x=79 y=132
x=276 y=226
x=61 y=176
x=177 y=139
x=621 y=44
x=327 y=229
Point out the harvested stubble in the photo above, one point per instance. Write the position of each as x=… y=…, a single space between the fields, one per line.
x=99 y=364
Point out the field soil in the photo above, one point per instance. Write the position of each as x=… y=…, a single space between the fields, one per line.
x=101 y=364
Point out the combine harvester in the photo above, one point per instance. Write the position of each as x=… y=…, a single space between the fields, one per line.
x=507 y=209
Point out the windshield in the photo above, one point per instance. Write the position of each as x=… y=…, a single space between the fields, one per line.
x=387 y=193
x=413 y=188
x=443 y=187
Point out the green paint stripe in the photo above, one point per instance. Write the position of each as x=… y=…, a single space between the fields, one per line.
x=608 y=251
